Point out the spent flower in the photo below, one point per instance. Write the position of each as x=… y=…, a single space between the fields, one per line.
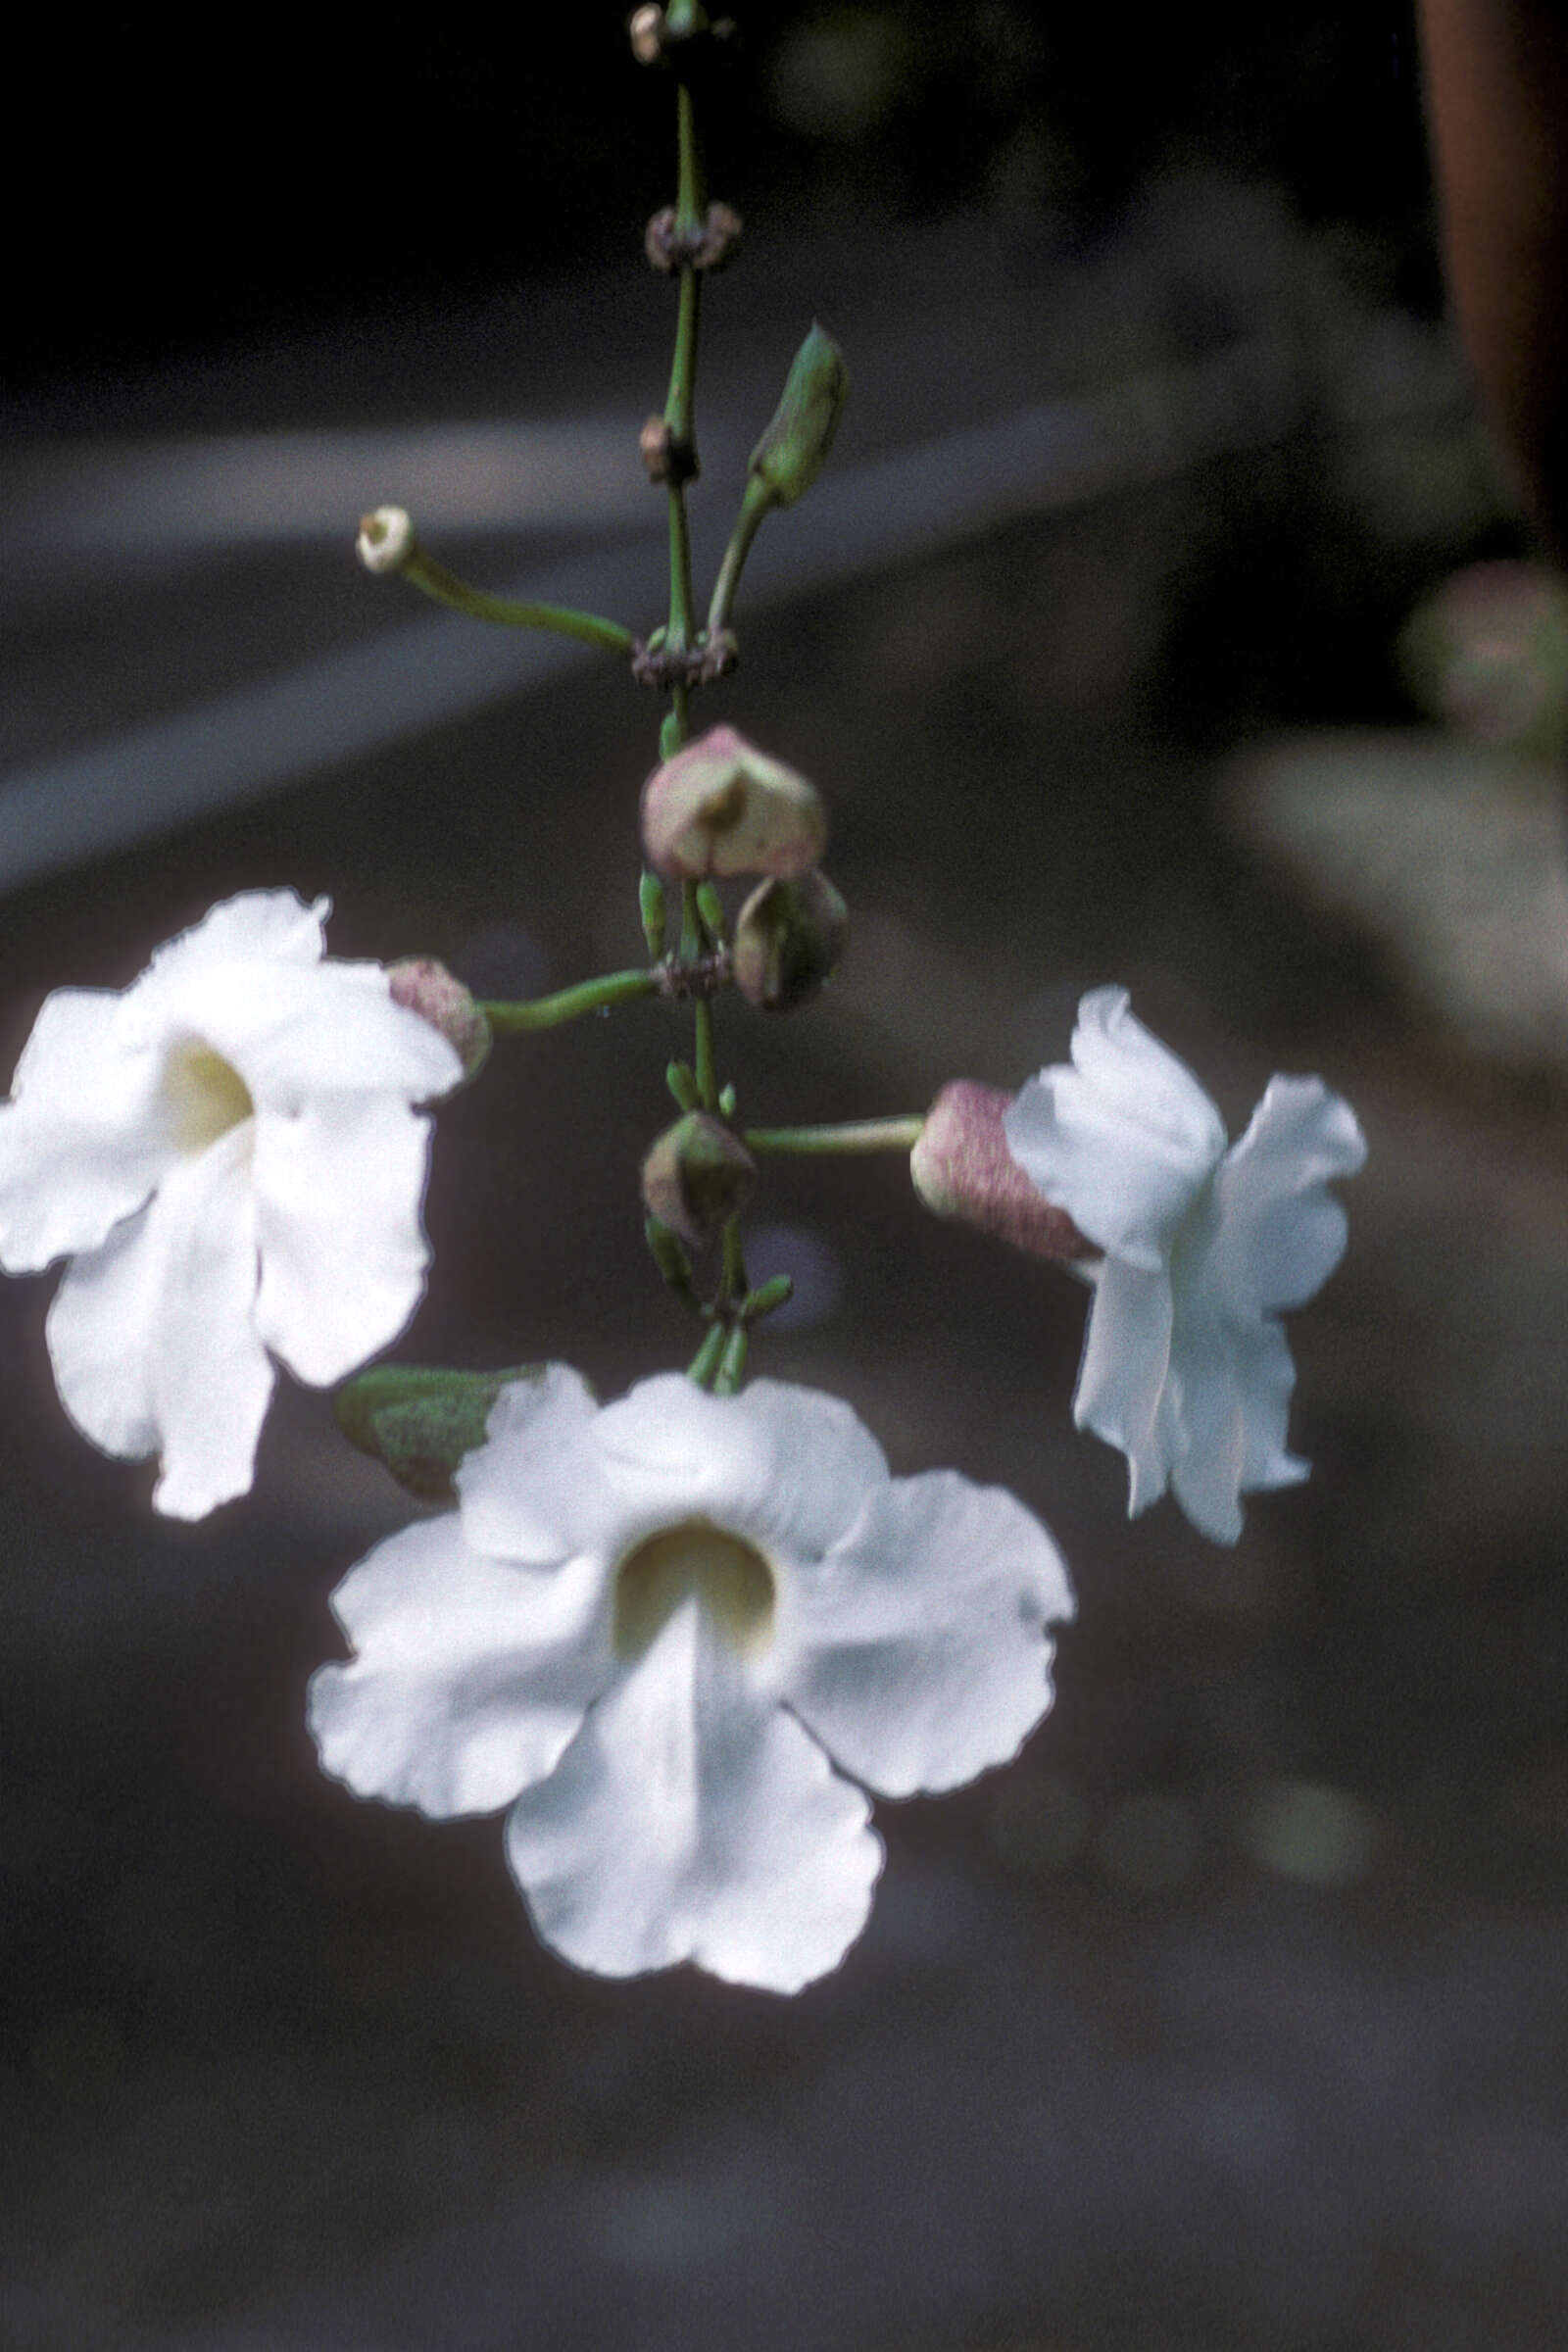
x=229 y=1154
x=672 y=1633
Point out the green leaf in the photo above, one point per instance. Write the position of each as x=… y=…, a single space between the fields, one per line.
x=421 y=1419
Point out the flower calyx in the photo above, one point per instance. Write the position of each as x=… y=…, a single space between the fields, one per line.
x=961 y=1168
x=673 y=244
x=720 y=807
x=696 y=1176
x=789 y=938
x=655 y=32
x=662 y=667
x=437 y=996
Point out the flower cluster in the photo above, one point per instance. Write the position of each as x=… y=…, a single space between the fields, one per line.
x=682 y=1636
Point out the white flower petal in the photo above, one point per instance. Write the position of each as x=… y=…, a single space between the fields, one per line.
x=1123 y=1393
x=293 y=1032
x=1281 y=1231
x=779 y=1462
x=1232 y=1384
x=1124 y=1141
x=82 y=1141
x=471 y=1675
x=338 y=1190
x=916 y=1650
x=270 y=926
x=691 y=1819
x=776 y=1462
x=534 y=1492
x=152 y=1341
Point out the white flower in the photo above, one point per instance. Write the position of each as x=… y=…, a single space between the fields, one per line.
x=228 y=1152
x=654 y=1629
x=1186 y=1366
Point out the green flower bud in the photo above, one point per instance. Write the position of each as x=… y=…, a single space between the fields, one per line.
x=721 y=806
x=794 y=449
x=420 y=1421
x=788 y=941
x=651 y=903
x=428 y=989
x=696 y=1176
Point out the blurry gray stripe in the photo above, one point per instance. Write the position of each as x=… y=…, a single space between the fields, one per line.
x=251 y=489
x=430 y=671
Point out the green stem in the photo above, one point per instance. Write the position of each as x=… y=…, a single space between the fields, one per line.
x=570 y=1004
x=707 y=1066
x=425 y=572
x=759 y=500
x=852 y=1138
x=731 y=1362
x=735 y=1284
x=706 y=1362
x=680 y=405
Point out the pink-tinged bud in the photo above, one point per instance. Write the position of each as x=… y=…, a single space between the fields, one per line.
x=721 y=806
x=961 y=1168
x=698 y=1176
x=428 y=989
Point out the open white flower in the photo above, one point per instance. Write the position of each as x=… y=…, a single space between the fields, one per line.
x=228 y=1152
x=655 y=1628
x=1185 y=1366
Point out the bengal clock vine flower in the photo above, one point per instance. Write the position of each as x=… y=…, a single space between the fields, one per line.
x=228 y=1154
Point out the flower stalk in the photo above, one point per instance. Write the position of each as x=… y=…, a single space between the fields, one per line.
x=570 y=1004
x=387 y=544
x=848 y=1138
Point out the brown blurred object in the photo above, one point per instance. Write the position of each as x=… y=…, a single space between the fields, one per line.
x=1497 y=82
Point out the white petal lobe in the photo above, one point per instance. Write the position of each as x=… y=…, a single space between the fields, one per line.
x=471 y=1675
x=916 y=1650
x=691 y=1819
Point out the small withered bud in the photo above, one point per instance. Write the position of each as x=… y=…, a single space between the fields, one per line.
x=697 y=1177
x=707 y=245
x=720 y=807
x=717 y=655
x=788 y=941
x=428 y=989
x=646 y=31
x=654 y=445
x=664 y=459
x=793 y=450
x=386 y=539
x=961 y=1168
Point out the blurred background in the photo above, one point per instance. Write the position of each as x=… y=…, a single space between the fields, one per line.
x=1164 y=618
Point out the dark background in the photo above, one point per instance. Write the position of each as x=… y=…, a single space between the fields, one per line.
x=325 y=164
x=1230 y=2019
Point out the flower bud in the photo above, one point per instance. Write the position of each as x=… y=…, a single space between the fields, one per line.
x=794 y=449
x=386 y=539
x=788 y=941
x=961 y=1168
x=721 y=806
x=428 y=989
x=696 y=1176
x=646 y=32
